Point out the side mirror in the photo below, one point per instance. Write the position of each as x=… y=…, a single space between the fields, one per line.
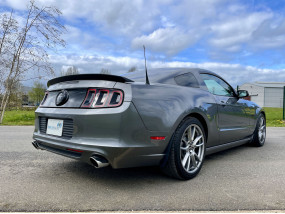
x=242 y=93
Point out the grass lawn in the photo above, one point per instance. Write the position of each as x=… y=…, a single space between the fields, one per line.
x=274 y=117
x=27 y=117
x=19 y=117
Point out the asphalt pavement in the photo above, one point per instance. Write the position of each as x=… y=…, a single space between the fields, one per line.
x=243 y=178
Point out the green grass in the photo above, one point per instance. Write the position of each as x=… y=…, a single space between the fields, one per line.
x=19 y=118
x=27 y=117
x=274 y=117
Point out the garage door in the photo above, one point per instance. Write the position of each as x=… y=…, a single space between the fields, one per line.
x=273 y=97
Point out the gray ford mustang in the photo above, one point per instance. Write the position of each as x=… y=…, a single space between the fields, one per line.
x=121 y=121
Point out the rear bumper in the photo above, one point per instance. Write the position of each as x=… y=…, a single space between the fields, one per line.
x=117 y=134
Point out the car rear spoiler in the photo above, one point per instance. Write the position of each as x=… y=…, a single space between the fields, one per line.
x=106 y=77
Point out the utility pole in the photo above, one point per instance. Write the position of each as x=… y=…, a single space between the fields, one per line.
x=284 y=103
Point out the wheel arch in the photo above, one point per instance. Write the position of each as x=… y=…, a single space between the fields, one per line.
x=263 y=113
x=199 y=116
x=196 y=115
x=259 y=111
x=201 y=119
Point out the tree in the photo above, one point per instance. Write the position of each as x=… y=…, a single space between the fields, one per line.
x=8 y=27
x=72 y=70
x=16 y=96
x=25 y=48
x=37 y=93
x=105 y=71
x=132 y=69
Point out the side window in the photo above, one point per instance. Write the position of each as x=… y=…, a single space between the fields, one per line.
x=217 y=86
x=188 y=80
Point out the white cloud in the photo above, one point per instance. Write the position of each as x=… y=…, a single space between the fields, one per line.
x=196 y=13
x=230 y=34
x=15 y=4
x=224 y=29
x=165 y=40
x=270 y=34
x=166 y=23
x=235 y=74
x=118 y=17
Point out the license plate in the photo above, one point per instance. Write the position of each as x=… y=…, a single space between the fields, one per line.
x=54 y=127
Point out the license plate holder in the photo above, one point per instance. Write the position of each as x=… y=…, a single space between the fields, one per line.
x=54 y=127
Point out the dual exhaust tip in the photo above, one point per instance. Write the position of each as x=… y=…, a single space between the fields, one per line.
x=96 y=160
x=35 y=144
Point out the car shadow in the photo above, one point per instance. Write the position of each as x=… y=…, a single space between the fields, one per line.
x=110 y=175
x=151 y=174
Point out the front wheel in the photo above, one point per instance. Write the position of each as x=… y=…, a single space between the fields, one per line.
x=187 y=150
x=259 y=134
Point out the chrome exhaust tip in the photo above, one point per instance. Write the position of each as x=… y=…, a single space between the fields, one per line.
x=98 y=161
x=35 y=144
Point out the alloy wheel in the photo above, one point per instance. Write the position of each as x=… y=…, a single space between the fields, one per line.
x=261 y=130
x=192 y=148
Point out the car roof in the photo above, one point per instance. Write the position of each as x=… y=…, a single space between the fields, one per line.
x=163 y=75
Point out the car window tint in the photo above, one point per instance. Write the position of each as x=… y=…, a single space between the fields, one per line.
x=217 y=86
x=188 y=80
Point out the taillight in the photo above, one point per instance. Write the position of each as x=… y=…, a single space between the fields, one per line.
x=116 y=98
x=44 y=99
x=103 y=98
x=89 y=98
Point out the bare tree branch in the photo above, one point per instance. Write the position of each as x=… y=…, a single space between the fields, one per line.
x=23 y=49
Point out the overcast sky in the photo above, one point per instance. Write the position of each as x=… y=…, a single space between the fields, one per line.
x=240 y=40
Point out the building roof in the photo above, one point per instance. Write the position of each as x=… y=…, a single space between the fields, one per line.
x=268 y=84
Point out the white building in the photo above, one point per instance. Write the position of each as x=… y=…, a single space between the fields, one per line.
x=265 y=94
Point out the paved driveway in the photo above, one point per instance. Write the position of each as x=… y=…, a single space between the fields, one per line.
x=244 y=178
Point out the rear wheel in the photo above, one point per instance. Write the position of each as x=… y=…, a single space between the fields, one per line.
x=259 y=134
x=187 y=150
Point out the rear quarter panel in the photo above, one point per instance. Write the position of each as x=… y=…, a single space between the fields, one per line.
x=163 y=107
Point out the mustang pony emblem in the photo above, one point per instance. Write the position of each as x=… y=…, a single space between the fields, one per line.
x=61 y=98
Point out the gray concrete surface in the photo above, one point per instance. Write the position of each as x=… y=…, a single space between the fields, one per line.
x=243 y=178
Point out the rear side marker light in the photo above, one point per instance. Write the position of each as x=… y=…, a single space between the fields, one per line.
x=157 y=138
x=102 y=98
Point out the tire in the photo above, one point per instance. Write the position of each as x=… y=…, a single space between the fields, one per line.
x=186 y=154
x=259 y=134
